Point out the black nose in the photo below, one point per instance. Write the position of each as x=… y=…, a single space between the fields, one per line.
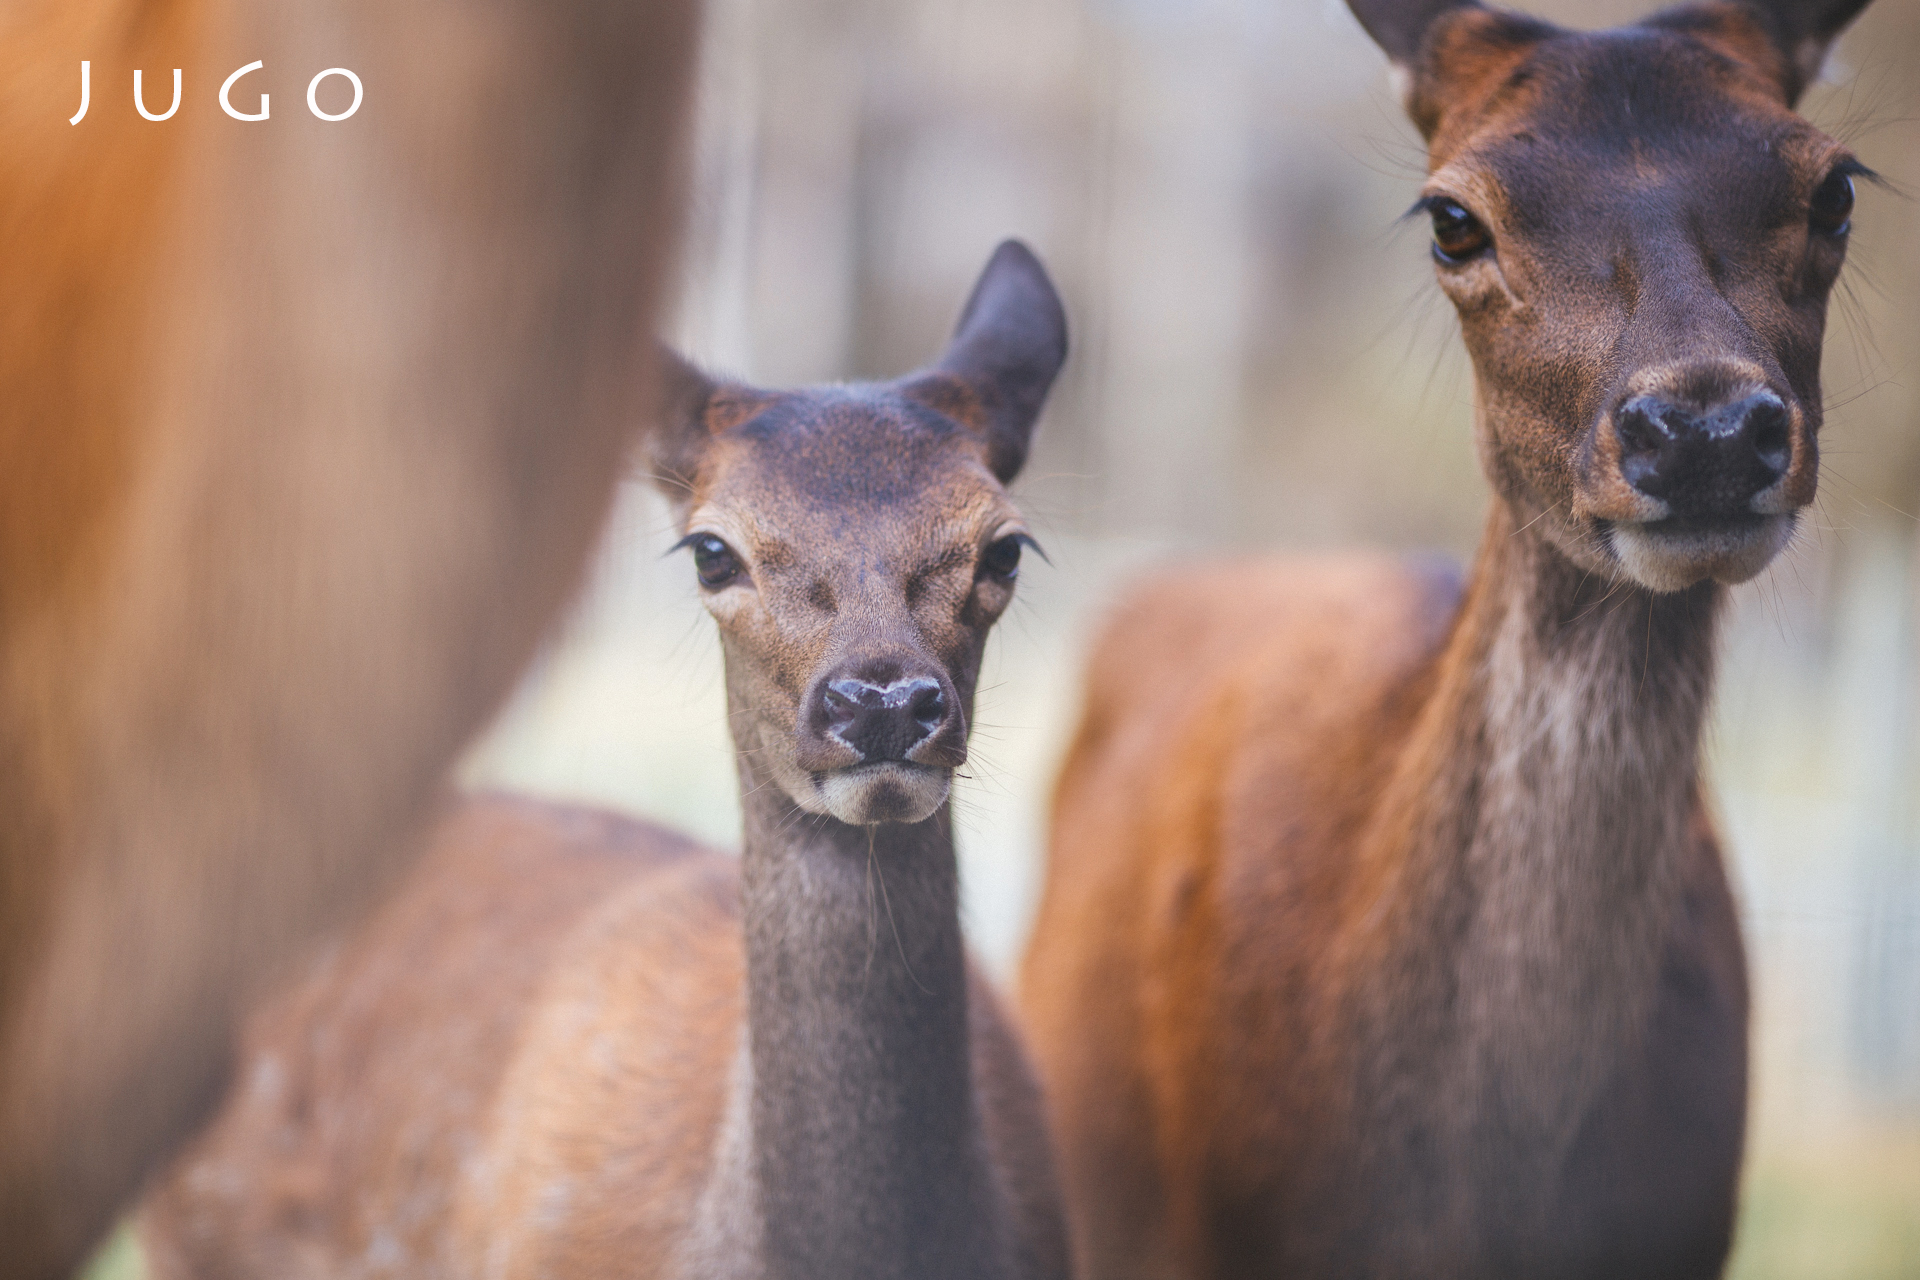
x=1704 y=463
x=884 y=721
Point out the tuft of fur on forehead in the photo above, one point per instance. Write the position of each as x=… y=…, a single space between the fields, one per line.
x=861 y=443
x=855 y=444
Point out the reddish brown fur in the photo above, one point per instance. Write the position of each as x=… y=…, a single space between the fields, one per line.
x=505 y=888
x=1203 y=943
x=1386 y=933
x=307 y=431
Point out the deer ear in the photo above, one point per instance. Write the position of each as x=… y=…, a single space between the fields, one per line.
x=995 y=373
x=1398 y=26
x=693 y=409
x=1446 y=51
x=1804 y=30
x=680 y=434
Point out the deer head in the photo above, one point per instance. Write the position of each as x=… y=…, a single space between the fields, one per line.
x=856 y=543
x=1639 y=235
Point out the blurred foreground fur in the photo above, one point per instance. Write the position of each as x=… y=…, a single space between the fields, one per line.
x=306 y=431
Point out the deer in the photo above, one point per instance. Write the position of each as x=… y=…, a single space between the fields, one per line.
x=307 y=433
x=1386 y=931
x=576 y=1044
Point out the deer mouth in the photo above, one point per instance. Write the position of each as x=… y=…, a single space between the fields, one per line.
x=1675 y=553
x=885 y=791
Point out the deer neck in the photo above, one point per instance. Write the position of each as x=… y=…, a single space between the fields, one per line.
x=1529 y=852
x=855 y=1130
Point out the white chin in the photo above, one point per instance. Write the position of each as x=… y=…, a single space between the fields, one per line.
x=875 y=793
x=1662 y=558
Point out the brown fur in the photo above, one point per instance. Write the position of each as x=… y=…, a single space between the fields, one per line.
x=307 y=431
x=577 y=1046
x=1386 y=933
x=520 y=1063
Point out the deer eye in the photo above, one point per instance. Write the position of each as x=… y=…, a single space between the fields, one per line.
x=1001 y=559
x=713 y=561
x=1457 y=234
x=1831 y=210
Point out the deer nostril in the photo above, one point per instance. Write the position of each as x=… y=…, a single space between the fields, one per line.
x=843 y=699
x=1768 y=429
x=1641 y=424
x=928 y=705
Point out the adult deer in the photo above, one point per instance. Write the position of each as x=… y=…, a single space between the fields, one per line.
x=554 y=1053
x=306 y=432
x=1386 y=933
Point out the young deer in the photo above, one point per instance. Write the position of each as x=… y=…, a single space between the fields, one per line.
x=556 y=1054
x=1387 y=933
x=307 y=432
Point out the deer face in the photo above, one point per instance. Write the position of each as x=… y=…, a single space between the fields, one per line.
x=1639 y=236
x=856 y=544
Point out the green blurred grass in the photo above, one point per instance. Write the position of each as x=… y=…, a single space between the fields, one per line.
x=118 y=1259
x=1852 y=1213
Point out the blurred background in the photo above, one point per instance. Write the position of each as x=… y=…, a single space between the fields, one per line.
x=1261 y=359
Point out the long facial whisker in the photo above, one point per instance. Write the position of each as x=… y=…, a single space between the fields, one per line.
x=894 y=924
x=873 y=917
x=1612 y=588
x=1544 y=512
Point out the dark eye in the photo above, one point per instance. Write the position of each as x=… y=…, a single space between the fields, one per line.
x=1002 y=557
x=1457 y=234
x=714 y=561
x=1831 y=209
